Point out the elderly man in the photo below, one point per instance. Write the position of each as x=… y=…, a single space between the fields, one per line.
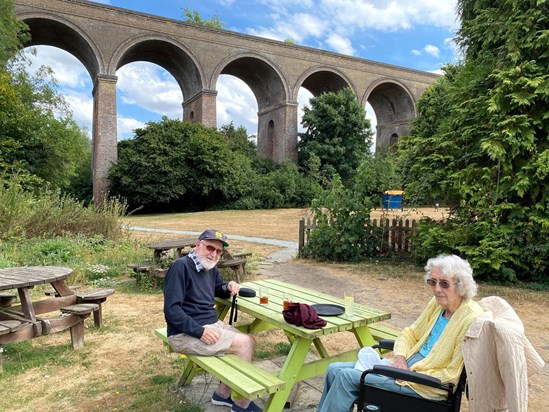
x=191 y=284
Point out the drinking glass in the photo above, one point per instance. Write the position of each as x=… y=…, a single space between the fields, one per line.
x=349 y=303
x=263 y=295
x=286 y=300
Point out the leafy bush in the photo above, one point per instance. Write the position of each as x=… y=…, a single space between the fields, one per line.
x=343 y=231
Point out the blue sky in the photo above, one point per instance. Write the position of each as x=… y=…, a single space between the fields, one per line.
x=411 y=33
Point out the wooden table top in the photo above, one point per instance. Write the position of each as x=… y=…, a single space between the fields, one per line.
x=20 y=277
x=174 y=243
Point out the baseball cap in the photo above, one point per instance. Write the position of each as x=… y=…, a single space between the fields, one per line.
x=212 y=234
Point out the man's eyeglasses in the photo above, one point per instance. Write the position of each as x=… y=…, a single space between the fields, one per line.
x=444 y=284
x=212 y=249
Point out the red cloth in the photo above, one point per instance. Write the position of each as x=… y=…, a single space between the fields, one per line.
x=301 y=314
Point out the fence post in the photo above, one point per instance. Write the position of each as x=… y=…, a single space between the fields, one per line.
x=301 y=241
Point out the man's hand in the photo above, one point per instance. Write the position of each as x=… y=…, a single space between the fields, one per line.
x=233 y=287
x=210 y=336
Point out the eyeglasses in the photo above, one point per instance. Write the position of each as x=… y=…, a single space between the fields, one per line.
x=444 y=284
x=212 y=249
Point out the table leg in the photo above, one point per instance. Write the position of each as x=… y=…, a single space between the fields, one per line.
x=26 y=304
x=289 y=373
x=62 y=288
x=364 y=336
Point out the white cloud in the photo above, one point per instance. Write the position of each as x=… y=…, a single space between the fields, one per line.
x=428 y=49
x=432 y=50
x=390 y=15
x=236 y=103
x=126 y=126
x=340 y=44
x=145 y=85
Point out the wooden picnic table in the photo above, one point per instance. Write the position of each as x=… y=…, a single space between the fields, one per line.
x=296 y=366
x=23 y=321
x=179 y=245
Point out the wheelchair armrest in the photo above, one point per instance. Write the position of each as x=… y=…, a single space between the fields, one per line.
x=407 y=375
x=385 y=344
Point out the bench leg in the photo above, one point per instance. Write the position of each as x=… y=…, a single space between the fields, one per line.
x=98 y=317
x=77 y=335
x=188 y=374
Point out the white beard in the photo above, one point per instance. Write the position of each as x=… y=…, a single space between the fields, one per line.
x=206 y=263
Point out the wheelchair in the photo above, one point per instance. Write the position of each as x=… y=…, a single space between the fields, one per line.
x=372 y=398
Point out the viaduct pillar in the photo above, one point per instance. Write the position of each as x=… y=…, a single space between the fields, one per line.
x=277 y=133
x=201 y=108
x=104 y=133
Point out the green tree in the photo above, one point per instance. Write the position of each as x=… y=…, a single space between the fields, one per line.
x=238 y=139
x=38 y=137
x=13 y=33
x=337 y=134
x=180 y=165
x=193 y=17
x=376 y=174
x=490 y=145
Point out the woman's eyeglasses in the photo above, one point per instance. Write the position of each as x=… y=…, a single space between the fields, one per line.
x=212 y=249
x=444 y=284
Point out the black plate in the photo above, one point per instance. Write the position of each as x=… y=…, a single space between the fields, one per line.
x=328 y=309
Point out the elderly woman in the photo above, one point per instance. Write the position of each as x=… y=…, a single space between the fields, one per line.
x=431 y=345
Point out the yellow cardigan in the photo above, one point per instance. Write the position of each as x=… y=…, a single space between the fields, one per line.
x=445 y=361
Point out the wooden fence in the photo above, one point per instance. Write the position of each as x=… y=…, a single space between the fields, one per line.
x=396 y=234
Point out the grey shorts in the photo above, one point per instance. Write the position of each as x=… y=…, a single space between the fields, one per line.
x=190 y=345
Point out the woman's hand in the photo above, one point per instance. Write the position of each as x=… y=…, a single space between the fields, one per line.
x=400 y=362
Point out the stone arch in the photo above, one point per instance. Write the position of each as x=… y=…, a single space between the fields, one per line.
x=261 y=75
x=320 y=79
x=394 y=107
x=170 y=55
x=276 y=140
x=49 y=29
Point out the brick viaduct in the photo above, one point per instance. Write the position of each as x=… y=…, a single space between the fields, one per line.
x=105 y=38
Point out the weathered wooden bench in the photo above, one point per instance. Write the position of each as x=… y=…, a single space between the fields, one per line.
x=235 y=262
x=82 y=310
x=97 y=297
x=150 y=269
x=7 y=300
x=53 y=292
x=243 y=377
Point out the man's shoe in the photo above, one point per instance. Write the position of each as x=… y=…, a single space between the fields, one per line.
x=252 y=407
x=219 y=401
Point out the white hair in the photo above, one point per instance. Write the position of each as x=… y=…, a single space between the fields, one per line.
x=457 y=268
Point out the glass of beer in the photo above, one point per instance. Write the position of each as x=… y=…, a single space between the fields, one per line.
x=286 y=300
x=263 y=295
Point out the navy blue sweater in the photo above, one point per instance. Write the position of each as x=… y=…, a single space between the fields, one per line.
x=189 y=297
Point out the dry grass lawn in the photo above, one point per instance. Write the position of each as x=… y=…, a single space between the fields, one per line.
x=124 y=367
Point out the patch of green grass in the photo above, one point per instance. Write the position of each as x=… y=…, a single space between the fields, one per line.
x=161 y=379
x=21 y=357
x=282 y=348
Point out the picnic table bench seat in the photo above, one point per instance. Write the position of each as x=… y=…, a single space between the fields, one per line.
x=150 y=268
x=82 y=311
x=53 y=292
x=98 y=297
x=235 y=262
x=7 y=300
x=241 y=376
